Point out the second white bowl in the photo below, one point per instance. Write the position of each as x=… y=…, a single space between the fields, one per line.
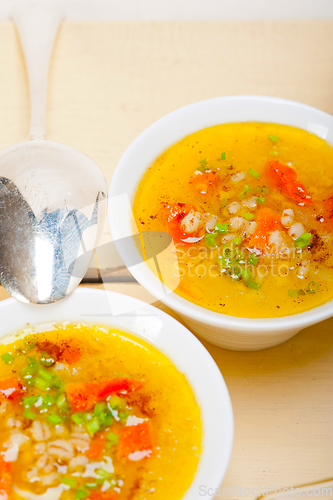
x=220 y=329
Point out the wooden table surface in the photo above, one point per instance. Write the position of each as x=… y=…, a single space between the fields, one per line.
x=109 y=81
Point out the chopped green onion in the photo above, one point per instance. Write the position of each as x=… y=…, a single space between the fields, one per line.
x=246 y=190
x=221 y=228
x=301 y=292
x=108 y=420
x=273 y=138
x=77 y=419
x=210 y=240
x=264 y=190
x=61 y=401
x=224 y=202
x=7 y=358
x=293 y=293
x=261 y=200
x=30 y=401
x=81 y=494
x=54 y=419
x=123 y=414
x=222 y=156
x=56 y=382
x=48 y=401
x=47 y=360
x=252 y=284
x=29 y=341
x=236 y=241
x=303 y=241
x=273 y=153
x=45 y=374
x=112 y=438
x=204 y=166
x=41 y=384
x=103 y=474
x=29 y=381
x=93 y=426
x=116 y=402
x=29 y=370
x=313 y=287
x=253 y=259
x=28 y=414
x=246 y=273
x=69 y=481
x=99 y=408
x=254 y=174
x=91 y=486
x=248 y=216
x=102 y=418
x=30 y=360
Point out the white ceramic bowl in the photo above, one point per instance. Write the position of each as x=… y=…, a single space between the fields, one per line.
x=226 y=331
x=171 y=338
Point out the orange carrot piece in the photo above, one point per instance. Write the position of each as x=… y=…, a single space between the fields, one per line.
x=202 y=182
x=99 y=495
x=96 y=448
x=84 y=396
x=11 y=388
x=267 y=222
x=5 y=479
x=174 y=214
x=135 y=438
x=71 y=354
x=285 y=179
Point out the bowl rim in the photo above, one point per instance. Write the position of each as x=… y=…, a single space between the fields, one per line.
x=174 y=336
x=261 y=326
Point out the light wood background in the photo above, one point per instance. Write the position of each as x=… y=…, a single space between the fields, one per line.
x=108 y=82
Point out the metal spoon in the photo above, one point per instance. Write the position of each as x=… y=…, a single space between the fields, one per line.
x=52 y=197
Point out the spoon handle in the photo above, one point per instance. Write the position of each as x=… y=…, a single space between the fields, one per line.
x=37 y=23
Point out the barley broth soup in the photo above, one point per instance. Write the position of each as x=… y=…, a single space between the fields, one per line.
x=250 y=209
x=93 y=413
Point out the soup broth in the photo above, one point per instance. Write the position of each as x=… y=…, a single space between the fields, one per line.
x=250 y=210
x=88 y=412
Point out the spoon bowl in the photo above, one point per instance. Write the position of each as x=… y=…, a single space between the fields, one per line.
x=52 y=210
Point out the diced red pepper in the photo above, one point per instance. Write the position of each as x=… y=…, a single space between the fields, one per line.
x=84 y=396
x=203 y=181
x=174 y=214
x=95 y=448
x=267 y=222
x=135 y=438
x=11 y=389
x=5 y=479
x=285 y=179
x=99 y=495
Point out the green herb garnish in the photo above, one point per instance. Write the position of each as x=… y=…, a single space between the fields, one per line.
x=254 y=174
x=313 y=287
x=303 y=241
x=7 y=358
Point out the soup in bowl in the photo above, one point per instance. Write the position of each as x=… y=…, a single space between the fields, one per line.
x=101 y=407
x=246 y=192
